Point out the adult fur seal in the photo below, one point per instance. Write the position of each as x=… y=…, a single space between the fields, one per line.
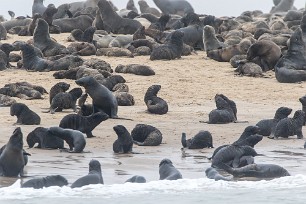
x=47 y=181
x=146 y=135
x=136 y=69
x=145 y=8
x=283 y=6
x=85 y=124
x=303 y=102
x=202 y=139
x=102 y=97
x=67 y=25
x=258 y=171
x=155 y=104
x=94 y=175
x=167 y=171
x=38 y=7
x=25 y=116
x=12 y=159
x=74 y=138
x=42 y=40
x=114 y=22
x=45 y=140
x=174 y=7
x=124 y=143
x=267 y=126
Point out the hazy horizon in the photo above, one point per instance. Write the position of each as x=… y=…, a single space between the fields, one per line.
x=228 y=8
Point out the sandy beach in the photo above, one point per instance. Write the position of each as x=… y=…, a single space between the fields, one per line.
x=188 y=85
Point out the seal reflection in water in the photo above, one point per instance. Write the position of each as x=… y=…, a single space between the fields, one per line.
x=167 y=171
x=94 y=176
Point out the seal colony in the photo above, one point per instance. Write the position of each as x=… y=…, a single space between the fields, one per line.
x=188 y=85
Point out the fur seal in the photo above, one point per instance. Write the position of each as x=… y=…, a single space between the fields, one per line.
x=74 y=138
x=290 y=126
x=114 y=52
x=135 y=69
x=136 y=179
x=84 y=124
x=267 y=126
x=172 y=49
x=131 y=6
x=65 y=100
x=45 y=182
x=25 y=116
x=124 y=143
x=124 y=99
x=102 y=98
x=303 y=102
x=6 y=100
x=146 y=135
x=114 y=22
x=45 y=141
x=282 y=6
x=262 y=171
x=167 y=171
x=38 y=7
x=59 y=87
x=94 y=175
x=268 y=53
x=212 y=173
x=249 y=69
x=155 y=104
x=179 y=7
x=210 y=40
x=82 y=48
x=12 y=159
x=202 y=139
x=21 y=91
x=67 y=25
x=145 y=8
x=42 y=40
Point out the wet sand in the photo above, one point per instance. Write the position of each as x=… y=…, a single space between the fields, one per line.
x=188 y=85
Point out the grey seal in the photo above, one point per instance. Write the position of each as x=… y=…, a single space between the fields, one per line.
x=167 y=171
x=12 y=159
x=24 y=115
x=94 y=175
x=74 y=138
x=85 y=124
x=45 y=182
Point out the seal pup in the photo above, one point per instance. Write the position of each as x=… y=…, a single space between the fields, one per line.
x=59 y=87
x=124 y=143
x=24 y=115
x=136 y=179
x=167 y=171
x=203 y=139
x=6 y=100
x=94 y=175
x=74 y=138
x=172 y=49
x=114 y=22
x=136 y=69
x=12 y=158
x=84 y=124
x=45 y=182
x=155 y=104
x=42 y=40
x=212 y=173
x=267 y=126
x=45 y=140
x=210 y=40
x=146 y=135
x=290 y=126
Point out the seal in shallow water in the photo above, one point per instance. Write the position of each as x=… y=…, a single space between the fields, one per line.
x=124 y=143
x=167 y=171
x=47 y=181
x=45 y=140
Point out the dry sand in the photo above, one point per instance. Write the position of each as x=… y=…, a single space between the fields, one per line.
x=188 y=85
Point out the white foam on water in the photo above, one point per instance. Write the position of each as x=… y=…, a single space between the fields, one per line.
x=159 y=187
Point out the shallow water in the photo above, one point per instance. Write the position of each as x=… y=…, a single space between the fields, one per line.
x=283 y=190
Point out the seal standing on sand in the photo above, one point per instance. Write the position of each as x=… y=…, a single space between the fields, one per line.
x=58 y=88
x=85 y=124
x=74 y=138
x=167 y=171
x=102 y=97
x=124 y=143
x=45 y=140
x=94 y=176
x=25 y=116
x=47 y=181
x=12 y=159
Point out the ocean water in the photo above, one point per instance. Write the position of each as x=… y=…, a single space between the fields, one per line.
x=197 y=191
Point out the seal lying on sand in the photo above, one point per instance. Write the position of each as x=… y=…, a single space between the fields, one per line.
x=267 y=126
x=6 y=100
x=85 y=124
x=45 y=141
x=135 y=69
x=45 y=182
x=74 y=138
x=124 y=143
x=167 y=171
x=201 y=140
x=25 y=116
x=12 y=159
x=155 y=104
x=94 y=175
x=114 y=22
x=146 y=135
